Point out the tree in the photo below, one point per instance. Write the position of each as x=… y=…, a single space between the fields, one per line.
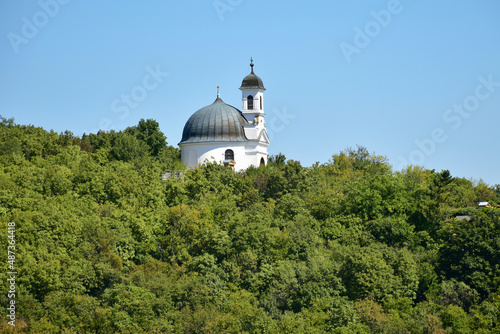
x=149 y=132
x=469 y=251
x=126 y=147
x=79 y=313
x=131 y=307
x=379 y=272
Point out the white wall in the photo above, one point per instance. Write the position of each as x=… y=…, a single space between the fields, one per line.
x=245 y=153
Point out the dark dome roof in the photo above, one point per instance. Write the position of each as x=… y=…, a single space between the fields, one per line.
x=216 y=122
x=252 y=81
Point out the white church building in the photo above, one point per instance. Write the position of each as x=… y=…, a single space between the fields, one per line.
x=223 y=134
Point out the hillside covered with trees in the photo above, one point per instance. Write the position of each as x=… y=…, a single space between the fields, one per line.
x=105 y=245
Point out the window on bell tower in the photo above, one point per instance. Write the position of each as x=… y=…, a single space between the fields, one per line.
x=229 y=155
x=261 y=103
x=250 y=102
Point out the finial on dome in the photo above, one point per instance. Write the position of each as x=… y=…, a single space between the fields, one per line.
x=251 y=63
x=218 y=94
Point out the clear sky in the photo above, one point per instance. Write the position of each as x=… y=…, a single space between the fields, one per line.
x=417 y=81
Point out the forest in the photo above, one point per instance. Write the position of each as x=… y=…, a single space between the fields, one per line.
x=104 y=244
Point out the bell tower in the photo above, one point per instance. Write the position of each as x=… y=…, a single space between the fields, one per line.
x=252 y=96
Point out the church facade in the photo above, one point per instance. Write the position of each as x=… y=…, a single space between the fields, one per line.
x=223 y=134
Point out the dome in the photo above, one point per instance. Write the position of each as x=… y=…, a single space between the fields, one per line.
x=252 y=81
x=214 y=123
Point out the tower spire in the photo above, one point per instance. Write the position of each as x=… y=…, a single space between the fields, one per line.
x=218 y=94
x=251 y=63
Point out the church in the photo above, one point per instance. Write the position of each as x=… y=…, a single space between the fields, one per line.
x=223 y=134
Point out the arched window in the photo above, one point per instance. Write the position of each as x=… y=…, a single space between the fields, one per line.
x=262 y=162
x=229 y=155
x=261 y=103
x=250 y=102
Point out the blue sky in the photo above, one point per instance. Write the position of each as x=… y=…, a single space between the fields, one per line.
x=416 y=81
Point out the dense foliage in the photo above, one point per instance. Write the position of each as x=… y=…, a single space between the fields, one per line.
x=104 y=245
